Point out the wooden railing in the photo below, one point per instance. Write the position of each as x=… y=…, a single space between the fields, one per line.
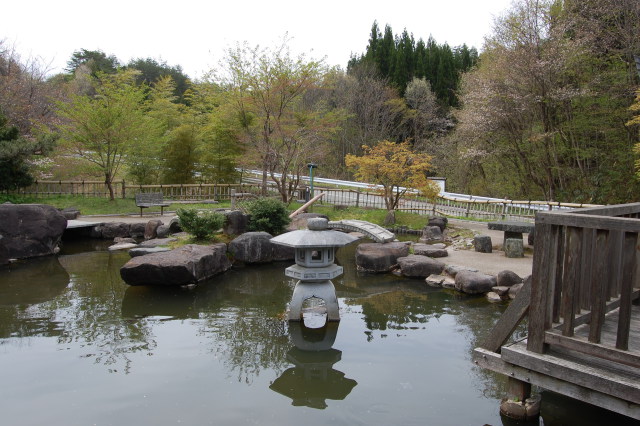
x=586 y=264
x=443 y=205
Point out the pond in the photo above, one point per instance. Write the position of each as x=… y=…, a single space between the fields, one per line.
x=80 y=347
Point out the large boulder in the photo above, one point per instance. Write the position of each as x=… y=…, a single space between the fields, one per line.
x=282 y=253
x=474 y=282
x=151 y=229
x=417 y=266
x=440 y=222
x=376 y=257
x=252 y=247
x=435 y=250
x=29 y=230
x=299 y=221
x=185 y=265
x=136 y=230
x=174 y=225
x=115 y=229
x=235 y=222
x=508 y=278
x=431 y=234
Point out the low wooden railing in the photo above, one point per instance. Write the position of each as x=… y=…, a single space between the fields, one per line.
x=413 y=203
x=586 y=263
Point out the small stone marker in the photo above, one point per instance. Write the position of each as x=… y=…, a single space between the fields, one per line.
x=513 y=247
x=482 y=244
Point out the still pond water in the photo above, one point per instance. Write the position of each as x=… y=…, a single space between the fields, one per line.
x=80 y=347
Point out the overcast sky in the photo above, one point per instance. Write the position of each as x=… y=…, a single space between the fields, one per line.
x=194 y=34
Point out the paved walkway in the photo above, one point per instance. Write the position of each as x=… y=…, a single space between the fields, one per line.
x=489 y=263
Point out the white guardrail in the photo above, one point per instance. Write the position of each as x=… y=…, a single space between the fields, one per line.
x=444 y=194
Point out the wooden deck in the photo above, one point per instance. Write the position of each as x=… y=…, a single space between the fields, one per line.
x=584 y=320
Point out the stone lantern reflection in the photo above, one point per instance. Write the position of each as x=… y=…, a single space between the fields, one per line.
x=315 y=249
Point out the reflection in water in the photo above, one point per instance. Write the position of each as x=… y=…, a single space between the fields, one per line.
x=313 y=379
x=23 y=285
x=33 y=281
x=66 y=327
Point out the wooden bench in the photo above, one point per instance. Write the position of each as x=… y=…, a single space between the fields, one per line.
x=151 y=199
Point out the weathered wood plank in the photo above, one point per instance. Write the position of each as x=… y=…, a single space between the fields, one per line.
x=586 y=269
x=612 y=210
x=543 y=279
x=598 y=290
x=570 y=276
x=593 y=349
x=509 y=320
x=586 y=221
x=605 y=381
x=627 y=281
x=615 y=262
x=494 y=362
x=556 y=285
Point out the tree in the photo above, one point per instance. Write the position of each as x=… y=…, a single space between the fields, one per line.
x=15 y=152
x=26 y=96
x=424 y=110
x=152 y=70
x=101 y=128
x=96 y=60
x=396 y=168
x=283 y=129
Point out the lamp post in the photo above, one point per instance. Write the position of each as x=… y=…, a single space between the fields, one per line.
x=311 y=166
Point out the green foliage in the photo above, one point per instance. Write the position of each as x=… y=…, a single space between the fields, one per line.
x=400 y=58
x=152 y=70
x=268 y=215
x=103 y=128
x=96 y=60
x=201 y=224
x=14 y=155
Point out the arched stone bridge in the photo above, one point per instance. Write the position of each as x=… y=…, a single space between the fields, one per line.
x=375 y=232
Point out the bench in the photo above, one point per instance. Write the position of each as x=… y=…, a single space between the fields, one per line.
x=512 y=229
x=151 y=199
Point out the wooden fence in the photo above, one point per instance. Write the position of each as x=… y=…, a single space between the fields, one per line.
x=448 y=206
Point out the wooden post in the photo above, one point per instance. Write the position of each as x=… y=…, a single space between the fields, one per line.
x=124 y=190
x=307 y=204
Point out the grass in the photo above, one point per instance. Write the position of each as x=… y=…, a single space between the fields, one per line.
x=102 y=206
x=376 y=216
x=99 y=205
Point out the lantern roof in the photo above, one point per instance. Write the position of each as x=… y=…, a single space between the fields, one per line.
x=318 y=235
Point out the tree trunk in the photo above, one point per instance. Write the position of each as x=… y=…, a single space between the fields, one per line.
x=264 y=180
x=108 y=181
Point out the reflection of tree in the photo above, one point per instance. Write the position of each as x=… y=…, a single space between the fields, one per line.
x=28 y=283
x=248 y=328
x=89 y=312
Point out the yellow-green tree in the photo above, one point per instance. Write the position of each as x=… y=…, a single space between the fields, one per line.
x=395 y=168
x=102 y=128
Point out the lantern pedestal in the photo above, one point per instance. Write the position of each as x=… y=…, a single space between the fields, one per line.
x=321 y=290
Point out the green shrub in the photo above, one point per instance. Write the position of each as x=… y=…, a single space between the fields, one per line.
x=268 y=215
x=200 y=224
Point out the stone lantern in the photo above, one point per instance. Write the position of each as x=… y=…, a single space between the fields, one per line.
x=315 y=252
